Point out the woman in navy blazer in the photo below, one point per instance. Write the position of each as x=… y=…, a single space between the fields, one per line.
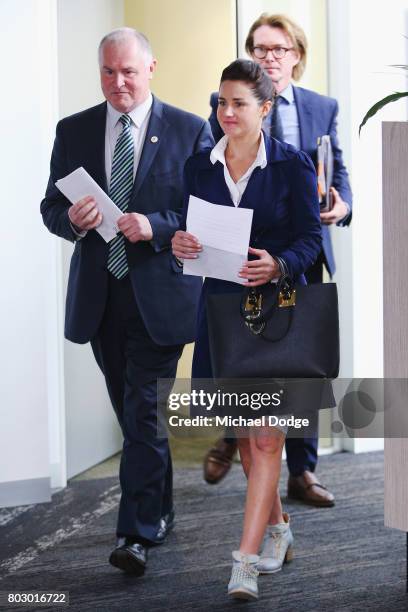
x=278 y=182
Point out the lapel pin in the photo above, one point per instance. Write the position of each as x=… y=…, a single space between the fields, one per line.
x=154 y=139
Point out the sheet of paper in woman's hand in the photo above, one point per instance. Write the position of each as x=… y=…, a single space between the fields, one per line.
x=223 y=232
x=79 y=184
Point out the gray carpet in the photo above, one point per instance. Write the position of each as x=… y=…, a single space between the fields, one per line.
x=345 y=559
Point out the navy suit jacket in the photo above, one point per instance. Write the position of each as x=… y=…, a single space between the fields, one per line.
x=167 y=300
x=317 y=116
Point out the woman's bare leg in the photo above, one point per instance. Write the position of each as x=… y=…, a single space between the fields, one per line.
x=244 y=454
x=275 y=515
x=263 y=465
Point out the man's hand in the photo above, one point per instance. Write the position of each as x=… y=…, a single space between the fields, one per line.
x=185 y=245
x=84 y=214
x=135 y=227
x=259 y=271
x=338 y=212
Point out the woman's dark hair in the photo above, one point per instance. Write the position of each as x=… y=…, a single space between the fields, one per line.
x=251 y=73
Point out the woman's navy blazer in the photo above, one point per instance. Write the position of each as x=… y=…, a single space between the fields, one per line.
x=283 y=196
x=286 y=219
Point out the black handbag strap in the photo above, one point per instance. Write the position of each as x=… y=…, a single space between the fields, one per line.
x=252 y=310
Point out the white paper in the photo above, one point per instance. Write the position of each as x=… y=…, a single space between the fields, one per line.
x=223 y=232
x=79 y=184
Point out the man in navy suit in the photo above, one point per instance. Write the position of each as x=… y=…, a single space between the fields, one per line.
x=279 y=45
x=129 y=297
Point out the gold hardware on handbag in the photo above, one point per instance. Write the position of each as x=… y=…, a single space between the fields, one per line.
x=287 y=298
x=253 y=305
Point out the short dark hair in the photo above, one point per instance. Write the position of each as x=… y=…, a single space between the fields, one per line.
x=251 y=73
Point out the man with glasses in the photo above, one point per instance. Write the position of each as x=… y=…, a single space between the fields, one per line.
x=298 y=117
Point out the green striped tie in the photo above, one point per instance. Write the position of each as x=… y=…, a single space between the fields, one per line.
x=120 y=191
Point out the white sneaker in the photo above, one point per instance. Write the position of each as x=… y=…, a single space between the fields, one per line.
x=277 y=547
x=244 y=575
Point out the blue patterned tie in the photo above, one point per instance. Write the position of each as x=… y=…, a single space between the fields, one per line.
x=120 y=191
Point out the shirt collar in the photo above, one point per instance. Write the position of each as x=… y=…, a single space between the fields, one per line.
x=287 y=94
x=218 y=153
x=138 y=114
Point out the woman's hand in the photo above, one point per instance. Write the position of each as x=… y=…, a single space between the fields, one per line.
x=259 y=271
x=185 y=245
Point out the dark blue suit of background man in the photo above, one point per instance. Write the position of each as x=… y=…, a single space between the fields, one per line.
x=302 y=116
x=138 y=320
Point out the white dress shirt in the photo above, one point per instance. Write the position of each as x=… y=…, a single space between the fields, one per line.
x=140 y=119
x=237 y=189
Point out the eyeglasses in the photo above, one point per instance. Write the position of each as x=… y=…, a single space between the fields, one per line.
x=277 y=52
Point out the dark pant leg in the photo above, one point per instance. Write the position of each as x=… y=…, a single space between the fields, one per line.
x=301 y=453
x=132 y=363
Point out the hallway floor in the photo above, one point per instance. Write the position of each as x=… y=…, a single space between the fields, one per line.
x=345 y=559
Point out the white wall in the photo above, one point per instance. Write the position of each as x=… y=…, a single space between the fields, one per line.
x=55 y=415
x=92 y=433
x=363 y=44
x=27 y=111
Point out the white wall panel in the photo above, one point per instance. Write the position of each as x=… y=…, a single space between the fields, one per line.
x=27 y=108
x=92 y=433
x=359 y=75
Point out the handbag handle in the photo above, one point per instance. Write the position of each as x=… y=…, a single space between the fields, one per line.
x=251 y=303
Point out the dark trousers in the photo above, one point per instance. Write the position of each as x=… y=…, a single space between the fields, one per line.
x=301 y=453
x=131 y=363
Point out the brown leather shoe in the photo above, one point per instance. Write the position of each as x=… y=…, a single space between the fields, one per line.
x=308 y=489
x=218 y=460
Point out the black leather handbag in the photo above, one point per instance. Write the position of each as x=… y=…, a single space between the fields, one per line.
x=278 y=330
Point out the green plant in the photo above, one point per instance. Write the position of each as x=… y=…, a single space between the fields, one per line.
x=381 y=103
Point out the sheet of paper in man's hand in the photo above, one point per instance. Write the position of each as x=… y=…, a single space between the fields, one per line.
x=79 y=184
x=223 y=232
